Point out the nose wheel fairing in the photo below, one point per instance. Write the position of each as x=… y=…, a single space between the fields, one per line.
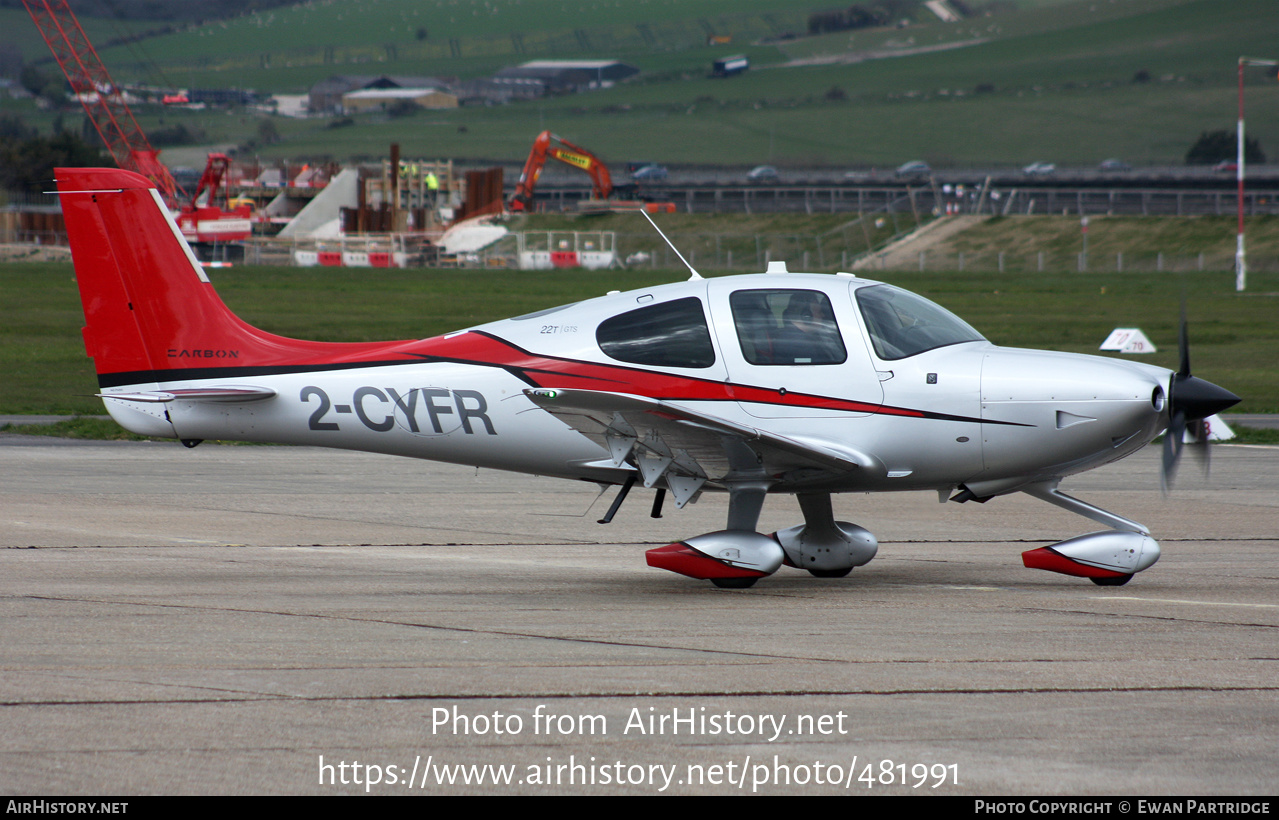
x=1108 y=557
x=1098 y=555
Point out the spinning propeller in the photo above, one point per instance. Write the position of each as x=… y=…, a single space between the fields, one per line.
x=1190 y=401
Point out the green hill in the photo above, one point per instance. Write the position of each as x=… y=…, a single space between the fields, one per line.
x=1069 y=81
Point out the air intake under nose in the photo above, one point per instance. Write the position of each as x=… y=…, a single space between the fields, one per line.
x=1065 y=419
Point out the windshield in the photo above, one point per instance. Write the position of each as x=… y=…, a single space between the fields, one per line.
x=902 y=324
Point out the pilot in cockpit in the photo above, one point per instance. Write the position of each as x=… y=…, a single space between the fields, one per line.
x=808 y=334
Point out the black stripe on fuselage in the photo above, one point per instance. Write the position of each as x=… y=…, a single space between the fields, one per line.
x=182 y=374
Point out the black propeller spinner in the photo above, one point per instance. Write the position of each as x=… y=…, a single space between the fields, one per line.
x=1190 y=400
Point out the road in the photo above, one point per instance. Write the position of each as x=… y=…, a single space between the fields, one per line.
x=258 y=620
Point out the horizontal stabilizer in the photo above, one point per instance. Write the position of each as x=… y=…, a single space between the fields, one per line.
x=217 y=394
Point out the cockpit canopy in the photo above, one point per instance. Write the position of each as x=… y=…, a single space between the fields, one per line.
x=781 y=326
x=902 y=324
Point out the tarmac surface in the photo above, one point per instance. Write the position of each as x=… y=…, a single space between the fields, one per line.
x=286 y=620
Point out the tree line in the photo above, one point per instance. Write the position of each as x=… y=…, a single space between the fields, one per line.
x=27 y=158
x=163 y=10
x=863 y=15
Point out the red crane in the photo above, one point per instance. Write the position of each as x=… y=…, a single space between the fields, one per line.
x=102 y=99
x=104 y=102
x=215 y=220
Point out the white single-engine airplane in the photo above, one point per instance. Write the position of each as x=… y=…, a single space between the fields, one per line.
x=768 y=383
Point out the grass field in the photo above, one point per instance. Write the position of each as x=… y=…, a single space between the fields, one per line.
x=19 y=31
x=1065 y=93
x=1120 y=243
x=1052 y=81
x=1235 y=338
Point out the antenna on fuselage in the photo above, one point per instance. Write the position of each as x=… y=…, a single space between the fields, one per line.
x=671 y=244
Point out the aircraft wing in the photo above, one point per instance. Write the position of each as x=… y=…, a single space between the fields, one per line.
x=689 y=448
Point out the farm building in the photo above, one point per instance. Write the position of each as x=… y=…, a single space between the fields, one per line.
x=567 y=76
x=382 y=99
x=728 y=66
x=325 y=97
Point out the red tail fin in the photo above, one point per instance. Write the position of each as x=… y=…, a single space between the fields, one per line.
x=151 y=313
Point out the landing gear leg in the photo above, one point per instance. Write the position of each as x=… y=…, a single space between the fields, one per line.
x=733 y=558
x=745 y=503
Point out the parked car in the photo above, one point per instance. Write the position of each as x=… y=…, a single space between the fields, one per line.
x=1114 y=165
x=914 y=168
x=651 y=172
x=762 y=173
x=1039 y=169
x=1226 y=166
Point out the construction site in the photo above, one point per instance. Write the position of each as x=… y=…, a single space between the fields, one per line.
x=405 y=211
x=412 y=208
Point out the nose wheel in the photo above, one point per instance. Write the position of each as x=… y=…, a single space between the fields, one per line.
x=734 y=583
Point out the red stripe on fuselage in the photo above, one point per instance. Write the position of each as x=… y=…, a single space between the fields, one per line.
x=548 y=371
x=480 y=348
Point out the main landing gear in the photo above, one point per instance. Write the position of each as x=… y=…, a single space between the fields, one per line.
x=737 y=557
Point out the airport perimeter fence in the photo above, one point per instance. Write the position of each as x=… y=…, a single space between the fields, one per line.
x=722 y=252
x=1045 y=262
x=836 y=248
x=939 y=199
x=844 y=249
x=1124 y=202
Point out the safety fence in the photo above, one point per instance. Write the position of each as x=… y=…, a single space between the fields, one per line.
x=1144 y=261
x=939 y=199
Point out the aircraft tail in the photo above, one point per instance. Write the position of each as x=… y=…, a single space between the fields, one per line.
x=151 y=313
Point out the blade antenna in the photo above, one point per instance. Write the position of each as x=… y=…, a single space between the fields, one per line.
x=671 y=244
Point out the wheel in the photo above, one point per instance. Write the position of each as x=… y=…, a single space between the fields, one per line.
x=830 y=573
x=734 y=583
x=1112 y=582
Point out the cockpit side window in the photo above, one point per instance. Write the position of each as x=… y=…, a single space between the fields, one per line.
x=787 y=327
x=902 y=324
x=670 y=334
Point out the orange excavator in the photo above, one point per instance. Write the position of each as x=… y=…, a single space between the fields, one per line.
x=566 y=152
